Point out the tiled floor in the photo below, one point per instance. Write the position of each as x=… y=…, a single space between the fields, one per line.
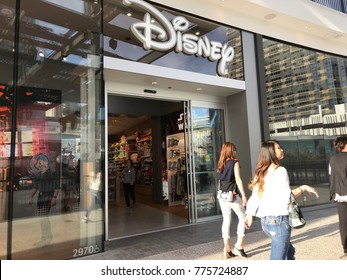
x=139 y=219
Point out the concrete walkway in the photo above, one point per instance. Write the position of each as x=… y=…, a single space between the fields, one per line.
x=318 y=240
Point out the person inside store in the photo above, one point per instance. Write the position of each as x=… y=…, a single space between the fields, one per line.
x=46 y=186
x=270 y=200
x=128 y=174
x=65 y=186
x=78 y=181
x=228 y=171
x=95 y=197
x=338 y=186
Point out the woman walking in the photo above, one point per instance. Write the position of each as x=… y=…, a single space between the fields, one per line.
x=270 y=199
x=228 y=171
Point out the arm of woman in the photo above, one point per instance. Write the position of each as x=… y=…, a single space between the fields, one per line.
x=305 y=188
x=252 y=208
x=240 y=183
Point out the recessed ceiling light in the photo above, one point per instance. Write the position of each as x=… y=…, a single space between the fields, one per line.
x=199 y=89
x=6 y=12
x=332 y=35
x=270 y=16
x=154 y=83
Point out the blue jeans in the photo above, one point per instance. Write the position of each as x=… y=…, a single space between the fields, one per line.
x=279 y=230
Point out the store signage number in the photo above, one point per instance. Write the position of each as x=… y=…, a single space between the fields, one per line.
x=170 y=35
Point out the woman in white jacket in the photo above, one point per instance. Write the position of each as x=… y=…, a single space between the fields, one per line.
x=270 y=199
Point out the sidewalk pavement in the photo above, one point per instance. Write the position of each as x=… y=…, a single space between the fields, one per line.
x=318 y=240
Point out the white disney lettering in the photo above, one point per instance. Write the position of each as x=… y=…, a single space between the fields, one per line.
x=150 y=29
x=172 y=36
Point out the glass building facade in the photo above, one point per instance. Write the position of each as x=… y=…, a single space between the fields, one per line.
x=306 y=96
x=51 y=126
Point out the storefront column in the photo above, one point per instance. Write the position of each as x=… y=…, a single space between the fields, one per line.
x=252 y=96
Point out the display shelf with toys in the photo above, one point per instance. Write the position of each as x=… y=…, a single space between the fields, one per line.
x=137 y=148
x=176 y=165
x=144 y=145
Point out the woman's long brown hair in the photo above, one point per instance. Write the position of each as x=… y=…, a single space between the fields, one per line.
x=267 y=156
x=228 y=152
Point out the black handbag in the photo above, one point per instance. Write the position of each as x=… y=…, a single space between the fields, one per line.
x=296 y=219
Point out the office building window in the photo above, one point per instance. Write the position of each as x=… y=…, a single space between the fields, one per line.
x=307 y=105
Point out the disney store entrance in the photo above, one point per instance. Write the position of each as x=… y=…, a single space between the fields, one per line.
x=151 y=134
x=175 y=166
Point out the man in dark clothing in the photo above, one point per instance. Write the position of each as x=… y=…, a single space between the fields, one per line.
x=338 y=186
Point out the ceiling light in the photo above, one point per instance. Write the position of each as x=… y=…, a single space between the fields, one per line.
x=270 y=16
x=41 y=54
x=64 y=57
x=332 y=35
x=129 y=13
x=197 y=33
x=199 y=89
x=6 y=12
x=113 y=44
x=154 y=83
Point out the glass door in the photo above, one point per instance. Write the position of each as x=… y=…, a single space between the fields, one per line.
x=190 y=202
x=208 y=134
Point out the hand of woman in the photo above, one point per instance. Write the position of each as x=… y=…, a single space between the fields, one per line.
x=248 y=221
x=310 y=190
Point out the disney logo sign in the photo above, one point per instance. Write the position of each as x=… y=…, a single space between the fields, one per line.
x=170 y=35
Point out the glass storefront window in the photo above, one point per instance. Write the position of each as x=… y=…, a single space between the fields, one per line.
x=208 y=135
x=7 y=12
x=307 y=109
x=58 y=158
x=120 y=41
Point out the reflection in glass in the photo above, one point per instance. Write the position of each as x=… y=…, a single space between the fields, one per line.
x=307 y=105
x=208 y=135
x=7 y=11
x=58 y=130
x=121 y=43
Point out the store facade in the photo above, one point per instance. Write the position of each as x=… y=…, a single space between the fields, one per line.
x=87 y=85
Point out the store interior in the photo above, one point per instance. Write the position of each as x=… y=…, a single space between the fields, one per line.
x=150 y=133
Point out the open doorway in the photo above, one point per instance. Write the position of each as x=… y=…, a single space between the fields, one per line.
x=150 y=133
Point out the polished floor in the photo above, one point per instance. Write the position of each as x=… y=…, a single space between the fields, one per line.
x=146 y=216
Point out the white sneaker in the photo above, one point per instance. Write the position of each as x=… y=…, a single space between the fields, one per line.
x=85 y=220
